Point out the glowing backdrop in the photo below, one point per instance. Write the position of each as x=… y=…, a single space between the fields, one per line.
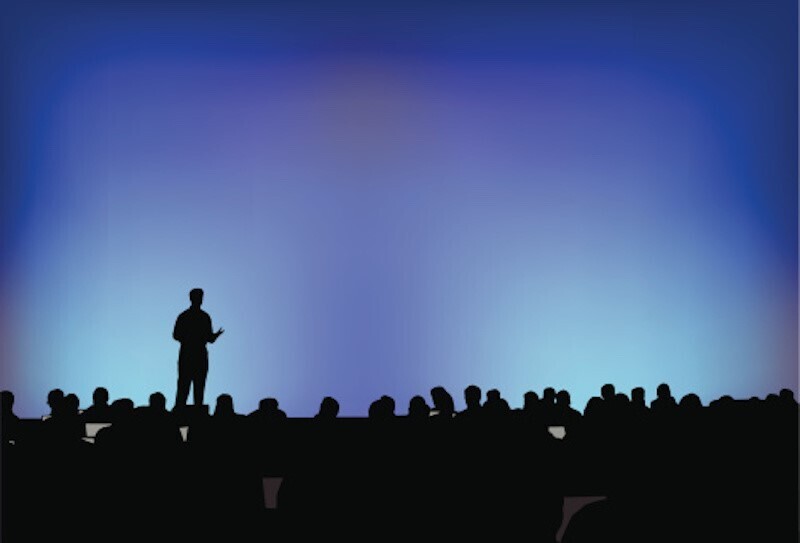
x=381 y=198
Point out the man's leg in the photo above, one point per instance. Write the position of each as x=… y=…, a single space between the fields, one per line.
x=199 y=381
x=184 y=380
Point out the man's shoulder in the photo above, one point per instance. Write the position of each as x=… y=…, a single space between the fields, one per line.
x=191 y=312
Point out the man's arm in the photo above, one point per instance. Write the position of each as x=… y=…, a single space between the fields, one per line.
x=177 y=332
x=212 y=336
x=215 y=335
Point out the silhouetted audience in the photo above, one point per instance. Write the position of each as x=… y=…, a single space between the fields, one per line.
x=660 y=468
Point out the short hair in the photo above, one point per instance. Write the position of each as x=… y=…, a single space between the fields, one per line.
x=100 y=395
x=195 y=293
x=158 y=400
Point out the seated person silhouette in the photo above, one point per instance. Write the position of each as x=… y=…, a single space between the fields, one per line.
x=418 y=408
x=224 y=410
x=664 y=403
x=547 y=405
x=638 y=406
x=193 y=330
x=443 y=405
x=268 y=411
x=566 y=415
x=55 y=400
x=786 y=396
x=65 y=425
x=602 y=408
x=382 y=408
x=100 y=410
x=328 y=409
x=156 y=424
x=531 y=408
x=9 y=423
x=495 y=405
x=472 y=397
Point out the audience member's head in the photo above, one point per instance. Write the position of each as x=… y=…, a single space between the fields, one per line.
x=418 y=408
x=472 y=396
x=442 y=401
x=121 y=410
x=224 y=406
x=268 y=411
x=608 y=392
x=690 y=401
x=638 y=397
x=7 y=402
x=100 y=396
x=787 y=396
x=54 y=400
x=663 y=391
x=382 y=408
x=530 y=400
x=563 y=398
x=157 y=402
x=328 y=408
x=71 y=404
x=268 y=404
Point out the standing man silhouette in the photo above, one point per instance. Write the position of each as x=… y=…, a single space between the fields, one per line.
x=193 y=330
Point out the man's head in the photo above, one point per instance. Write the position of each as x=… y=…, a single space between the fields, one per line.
x=196 y=296
x=158 y=401
x=100 y=396
x=54 y=399
x=663 y=391
x=472 y=396
x=637 y=395
x=608 y=392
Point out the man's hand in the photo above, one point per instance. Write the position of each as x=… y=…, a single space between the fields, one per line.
x=218 y=333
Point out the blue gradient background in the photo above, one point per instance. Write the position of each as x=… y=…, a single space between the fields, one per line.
x=378 y=200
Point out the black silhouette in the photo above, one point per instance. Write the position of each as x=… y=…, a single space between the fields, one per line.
x=224 y=408
x=193 y=330
x=679 y=471
x=54 y=400
x=443 y=405
x=495 y=405
x=268 y=411
x=328 y=409
x=565 y=415
x=382 y=408
x=547 y=406
x=418 y=408
x=100 y=410
x=9 y=421
x=665 y=403
x=472 y=399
